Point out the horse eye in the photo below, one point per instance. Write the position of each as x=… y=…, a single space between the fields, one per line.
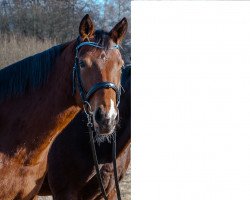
x=81 y=64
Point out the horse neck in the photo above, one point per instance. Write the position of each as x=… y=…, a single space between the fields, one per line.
x=62 y=106
x=47 y=111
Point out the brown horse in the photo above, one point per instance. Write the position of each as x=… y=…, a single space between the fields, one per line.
x=36 y=103
x=71 y=173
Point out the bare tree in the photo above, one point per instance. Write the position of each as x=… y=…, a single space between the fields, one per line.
x=57 y=19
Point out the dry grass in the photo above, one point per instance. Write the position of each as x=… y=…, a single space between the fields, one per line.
x=14 y=48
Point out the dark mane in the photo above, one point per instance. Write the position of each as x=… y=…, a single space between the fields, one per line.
x=102 y=38
x=29 y=73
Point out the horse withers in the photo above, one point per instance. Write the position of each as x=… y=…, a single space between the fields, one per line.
x=36 y=102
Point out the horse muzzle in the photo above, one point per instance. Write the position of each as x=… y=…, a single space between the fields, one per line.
x=105 y=122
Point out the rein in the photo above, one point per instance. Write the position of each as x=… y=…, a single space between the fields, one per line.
x=85 y=96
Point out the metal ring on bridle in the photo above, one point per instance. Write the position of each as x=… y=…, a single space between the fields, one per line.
x=87 y=110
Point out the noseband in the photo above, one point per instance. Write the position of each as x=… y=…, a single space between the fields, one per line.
x=85 y=97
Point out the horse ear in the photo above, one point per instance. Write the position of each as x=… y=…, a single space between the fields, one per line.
x=86 y=28
x=119 y=31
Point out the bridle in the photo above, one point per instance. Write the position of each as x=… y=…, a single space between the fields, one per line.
x=85 y=97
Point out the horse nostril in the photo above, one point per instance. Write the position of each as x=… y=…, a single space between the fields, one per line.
x=98 y=115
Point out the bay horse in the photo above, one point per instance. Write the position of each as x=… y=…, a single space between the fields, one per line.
x=36 y=102
x=71 y=174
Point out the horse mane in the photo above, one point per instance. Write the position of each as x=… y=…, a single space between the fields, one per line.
x=29 y=73
x=102 y=38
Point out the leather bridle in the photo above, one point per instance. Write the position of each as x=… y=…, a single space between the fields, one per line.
x=85 y=97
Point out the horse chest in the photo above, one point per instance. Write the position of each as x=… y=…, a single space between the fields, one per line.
x=18 y=181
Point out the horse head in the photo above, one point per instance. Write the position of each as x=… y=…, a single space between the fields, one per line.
x=98 y=67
